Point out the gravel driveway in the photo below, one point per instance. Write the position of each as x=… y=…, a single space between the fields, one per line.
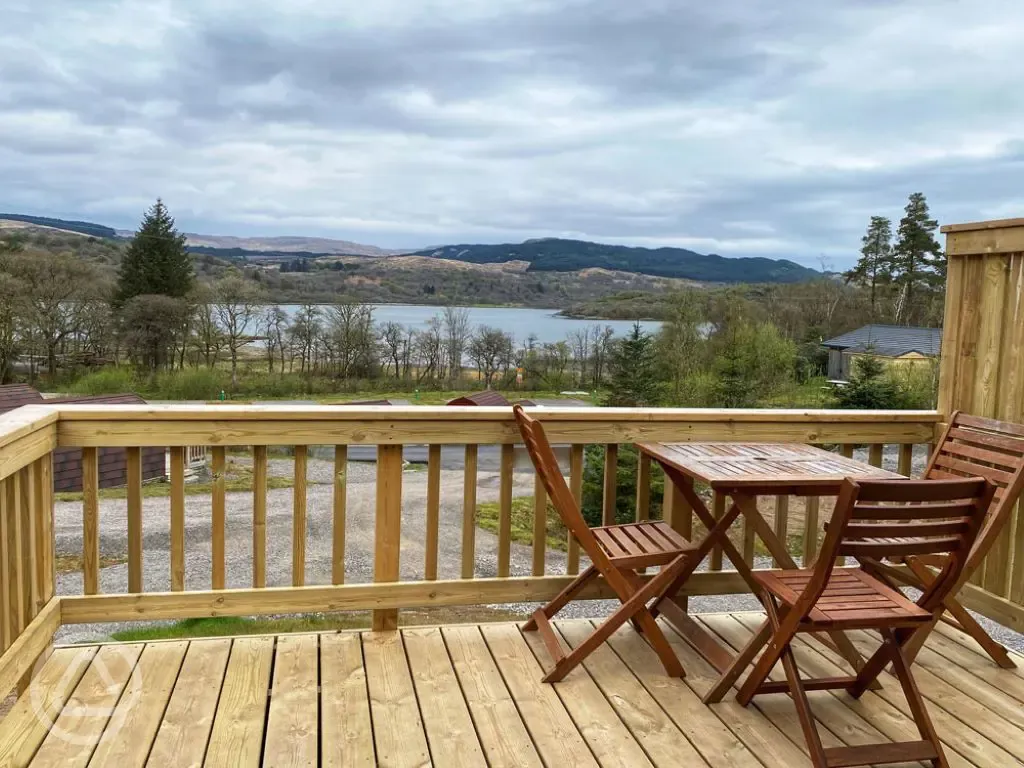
x=359 y=540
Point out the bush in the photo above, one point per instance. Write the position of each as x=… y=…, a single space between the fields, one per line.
x=625 y=491
x=106 y=381
x=189 y=384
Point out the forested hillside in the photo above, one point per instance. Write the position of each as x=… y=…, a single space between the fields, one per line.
x=557 y=255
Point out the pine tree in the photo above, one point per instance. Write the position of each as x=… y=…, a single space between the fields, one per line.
x=875 y=264
x=917 y=259
x=156 y=261
x=634 y=378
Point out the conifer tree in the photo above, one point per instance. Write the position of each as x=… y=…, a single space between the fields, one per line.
x=918 y=262
x=634 y=375
x=875 y=264
x=156 y=261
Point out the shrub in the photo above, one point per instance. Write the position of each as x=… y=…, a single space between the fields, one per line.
x=189 y=384
x=113 y=380
x=625 y=491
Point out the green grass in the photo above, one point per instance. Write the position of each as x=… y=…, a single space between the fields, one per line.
x=238 y=480
x=522 y=522
x=225 y=626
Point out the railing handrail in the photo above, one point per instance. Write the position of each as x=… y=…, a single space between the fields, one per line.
x=26 y=434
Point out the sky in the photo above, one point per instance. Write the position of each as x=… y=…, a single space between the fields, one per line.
x=741 y=127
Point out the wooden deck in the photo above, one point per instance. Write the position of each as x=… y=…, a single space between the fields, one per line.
x=471 y=695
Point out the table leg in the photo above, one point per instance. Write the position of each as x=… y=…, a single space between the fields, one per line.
x=748 y=505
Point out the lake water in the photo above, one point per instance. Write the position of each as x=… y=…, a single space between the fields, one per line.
x=544 y=324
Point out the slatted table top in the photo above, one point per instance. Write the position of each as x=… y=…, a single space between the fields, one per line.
x=762 y=465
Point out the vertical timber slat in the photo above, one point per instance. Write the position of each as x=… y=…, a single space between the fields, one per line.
x=388 y=529
x=219 y=468
x=133 y=469
x=508 y=456
x=905 y=465
x=540 y=526
x=875 y=454
x=299 y=516
x=177 y=518
x=259 y=516
x=339 y=502
x=576 y=486
x=90 y=522
x=469 y=512
x=643 y=488
x=611 y=469
x=433 y=511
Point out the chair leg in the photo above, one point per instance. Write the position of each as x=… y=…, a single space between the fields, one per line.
x=870 y=671
x=803 y=709
x=968 y=624
x=563 y=598
x=971 y=627
x=633 y=604
x=743 y=660
x=779 y=642
x=914 y=700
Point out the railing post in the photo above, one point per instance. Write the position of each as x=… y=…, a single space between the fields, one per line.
x=388 y=532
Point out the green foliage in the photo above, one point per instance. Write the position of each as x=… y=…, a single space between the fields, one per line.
x=753 y=362
x=106 y=381
x=156 y=262
x=625 y=482
x=918 y=262
x=634 y=381
x=557 y=255
x=488 y=513
x=871 y=387
x=875 y=263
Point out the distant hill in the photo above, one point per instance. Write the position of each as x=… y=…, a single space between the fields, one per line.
x=557 y=255
x=81 y=227
x=253 y=246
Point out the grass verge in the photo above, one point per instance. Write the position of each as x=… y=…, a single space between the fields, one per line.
x=226 y=626
x=487 y=517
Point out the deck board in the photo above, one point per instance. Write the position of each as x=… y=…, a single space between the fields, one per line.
x=472 y=696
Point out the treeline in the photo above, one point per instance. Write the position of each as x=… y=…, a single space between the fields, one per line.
x=83 y=227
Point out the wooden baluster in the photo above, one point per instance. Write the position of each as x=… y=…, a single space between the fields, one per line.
x=15 y=551
x=906 y=460
x=611 y=469
x=218 y=520
x=30 y=584
x=90 y=522
x=6 y=567
x=718 y=510
x=572 y=561
x=44 y=521
x=469 y=513
x=339 y=503
x=781 y=524
x=299 y=516
x=133 y=472
x=508 y=457
x=433 y=510
x=540 y=526
x=846 y=449
x=811 y=529
x=177 y=518
x=259 y=516
x=388 y=529
x=643 y=488
x=875 y=454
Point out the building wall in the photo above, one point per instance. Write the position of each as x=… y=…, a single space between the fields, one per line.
x=67 y=467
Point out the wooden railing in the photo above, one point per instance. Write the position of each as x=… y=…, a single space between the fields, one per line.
x=28 y=436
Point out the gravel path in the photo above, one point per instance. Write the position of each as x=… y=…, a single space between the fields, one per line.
x=359 y=541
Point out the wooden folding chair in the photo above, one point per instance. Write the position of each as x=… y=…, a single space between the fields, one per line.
x=615 y=552
x=971 y=446
x=872 y=520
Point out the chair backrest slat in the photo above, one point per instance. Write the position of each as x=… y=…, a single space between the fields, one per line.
x=546 y=464
x=885 y=518
x=978 y=446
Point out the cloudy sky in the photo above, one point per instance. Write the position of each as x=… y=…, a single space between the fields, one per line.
x=743 y=127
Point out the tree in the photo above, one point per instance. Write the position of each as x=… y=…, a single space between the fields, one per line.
x=456 y=335
x=917 y=259
x=634 y=381
x=237 y=305
x=156 y=262
x=12 y=312
x=272 y=326
x=681 y=344
x=489 y=348
x=869 y=388
x=152 y=327
x=875 y=263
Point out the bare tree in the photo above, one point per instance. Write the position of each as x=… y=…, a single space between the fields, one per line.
x=303 y=334
x=237 y=303
x=207 y=338
x=272 y=326
x=392 y=339
x=456 y=336
x=352 y=339
x=430 y=350
x=490 y=348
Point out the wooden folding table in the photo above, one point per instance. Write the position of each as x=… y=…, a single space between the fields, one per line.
x=743 y=471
